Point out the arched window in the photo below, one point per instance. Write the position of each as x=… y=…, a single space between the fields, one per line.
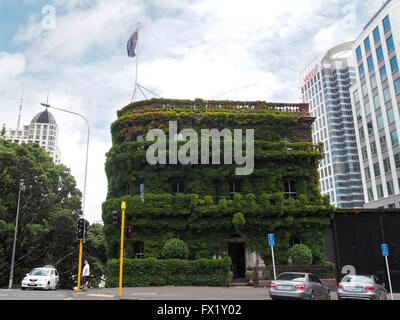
x=294 y=240
x=177 y=187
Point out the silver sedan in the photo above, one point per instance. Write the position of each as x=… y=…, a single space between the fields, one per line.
x=361 y=287
x=298 y=285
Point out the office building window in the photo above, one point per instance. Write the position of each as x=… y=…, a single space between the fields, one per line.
x=379 y=53
x=377 y=102
x=356 y=96
x=358 y=113
x=389 y=43
x=370 y=63
x=377 y=171
x=364 y=89
x=383 y=73
x=397 y=160
x=362 y=134
x=361 y=70
x=358 y=53
x=390 y=115
x=391 y=206
x=390 y=188
x=367 y=44
x=386 y=94
x=376 y=34
x=383 y=142
x=370 y=128
x=364 y=153
x=394 y=137
x=379 y=121
x=386 y=23
x=379 y=190
x=386 y=165
x=367 y=108
x=393 y=64
x=367 y=173
x=370 y=194
x=397 y=85
x=373 y=148
x=373 y=82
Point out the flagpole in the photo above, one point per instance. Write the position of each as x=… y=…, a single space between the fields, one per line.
x=136 y=77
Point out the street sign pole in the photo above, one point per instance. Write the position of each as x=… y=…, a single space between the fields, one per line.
x=271 y=241
x=121 y=254
x=385 y=253
x=80 y=265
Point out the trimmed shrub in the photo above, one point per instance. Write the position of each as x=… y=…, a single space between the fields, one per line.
x=155 y=272
x=301 y=254
x=175 y=249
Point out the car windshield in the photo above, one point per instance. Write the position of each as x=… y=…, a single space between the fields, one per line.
x=292 y=277
x=354 y=278
x=40 y=272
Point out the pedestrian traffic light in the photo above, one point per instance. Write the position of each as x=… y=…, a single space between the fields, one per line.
x=128 y=232
x=80 y=229
x=116 y=219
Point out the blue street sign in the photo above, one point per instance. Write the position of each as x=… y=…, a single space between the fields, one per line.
x=385 y=249
x=271 y=239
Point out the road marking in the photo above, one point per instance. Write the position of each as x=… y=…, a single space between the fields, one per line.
x=68 y=299
x=101 y=295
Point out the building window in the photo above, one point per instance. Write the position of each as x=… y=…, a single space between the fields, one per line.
x=386 y=23
x=373 y=148
x=386 y=94
x=364 y=153
x=383 y=73
x=392 y=205
x=367 y=173
x=177 y=187
x=377 y=170
x=390 y=188
x=383 y=143
x=370 y=62
x=379 y=53
x=358 y=53
x=390 y=115
x=362 y=134
x=370 y=194
x=393 y=64
x=373 y=82
x=397 y=160
x=389 y=43
x=356 y=96
x=138 y=249
x=377 y=102
x=358 y=113
x=290 y=189
x=367 y=109
x=386 y=165
x=379 y=190
x=394 y=137
x=370 y=128
x=379 y=121
x=361 y=70
x=364 y=89
x=376 y=34
x=397 y=85
x=367 y=44
x=234 y=187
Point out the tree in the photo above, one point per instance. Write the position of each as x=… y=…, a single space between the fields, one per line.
x=301 y=254
x=50 y=206
x=175 y=249
x=3 y=131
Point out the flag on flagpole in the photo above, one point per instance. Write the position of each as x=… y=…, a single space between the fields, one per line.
x=131 y=45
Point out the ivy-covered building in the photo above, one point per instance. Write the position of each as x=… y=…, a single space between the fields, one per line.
x=214 y=210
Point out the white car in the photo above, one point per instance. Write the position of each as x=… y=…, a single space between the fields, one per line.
x=44 y=278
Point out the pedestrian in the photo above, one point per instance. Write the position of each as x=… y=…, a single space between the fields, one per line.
x=85 y=275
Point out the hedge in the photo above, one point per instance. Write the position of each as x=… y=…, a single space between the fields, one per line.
x=155 y=272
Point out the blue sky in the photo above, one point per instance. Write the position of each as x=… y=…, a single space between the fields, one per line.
x=225 y=49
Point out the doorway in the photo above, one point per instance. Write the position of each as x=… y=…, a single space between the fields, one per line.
x=236 y=252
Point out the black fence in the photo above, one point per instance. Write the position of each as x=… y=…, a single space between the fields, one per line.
x=355 y=238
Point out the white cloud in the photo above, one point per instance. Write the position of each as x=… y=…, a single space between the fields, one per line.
x=11 y=66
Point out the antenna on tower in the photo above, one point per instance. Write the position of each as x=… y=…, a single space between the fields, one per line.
x=20 y=110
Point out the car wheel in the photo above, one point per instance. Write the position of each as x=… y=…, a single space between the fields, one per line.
x=48 y=286
x=312 y=296
x=23 y=288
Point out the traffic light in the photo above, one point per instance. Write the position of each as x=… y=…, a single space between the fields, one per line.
x=116 y=219
x=128 y=232
x=80 y=229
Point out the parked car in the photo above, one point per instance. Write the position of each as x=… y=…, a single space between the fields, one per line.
x=367 y=287
x=298 y=285
x=41 y=278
